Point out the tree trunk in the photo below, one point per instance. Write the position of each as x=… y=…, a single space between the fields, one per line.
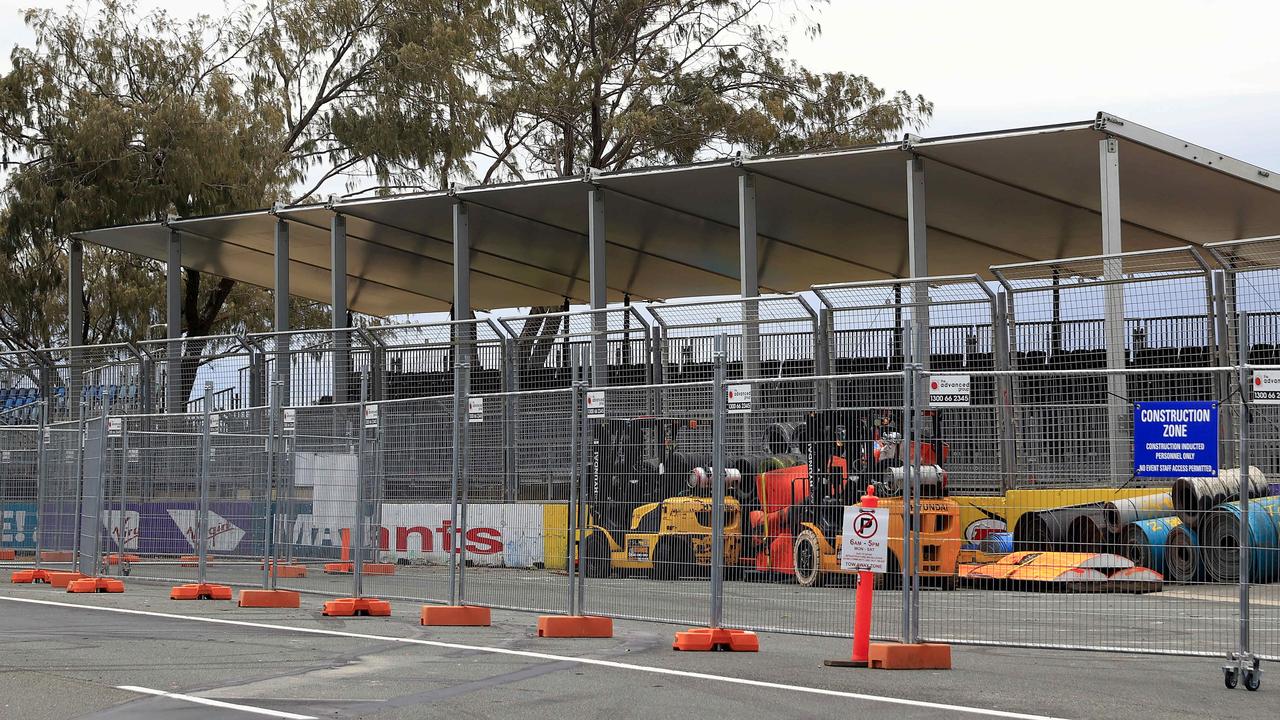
x=198 y=320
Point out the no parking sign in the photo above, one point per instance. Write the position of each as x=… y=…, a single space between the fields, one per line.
x=864 y=544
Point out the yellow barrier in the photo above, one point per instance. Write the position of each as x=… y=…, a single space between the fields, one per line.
x=555 y=535
x=996 y=513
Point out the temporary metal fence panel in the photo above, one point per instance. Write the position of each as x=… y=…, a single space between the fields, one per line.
x=19 y=469
x=1103 y=290
x=318 y=497
x=413 y=361
x=645 y=540
x=93 y=470
x=1086 y=560
x=791 y=484
x=159 y=461
x=408 y=445
x=614 y=340
x=770 y=336
x=544 y=350
x=237 y=495
x=887 y=310
x=1252 y=286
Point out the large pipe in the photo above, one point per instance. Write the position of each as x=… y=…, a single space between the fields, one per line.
x=1193 y=497
x=1078 y=528
x=1220 y=535
x=1145 y=540
x=1182 y=555
x=1120 y=513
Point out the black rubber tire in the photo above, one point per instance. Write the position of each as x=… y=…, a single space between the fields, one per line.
x=1231 y=678
x=806 y=556
x=1252 y=680
x=596 y=562
x=673 y=559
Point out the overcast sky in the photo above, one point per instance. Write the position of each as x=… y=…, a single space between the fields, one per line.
x=1204 y=71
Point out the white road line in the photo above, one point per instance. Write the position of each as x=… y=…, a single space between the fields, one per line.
x=557 y=658
x=216 y=703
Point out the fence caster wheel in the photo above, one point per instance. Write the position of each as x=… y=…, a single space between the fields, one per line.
x=1252 y=680
x=1230 y=678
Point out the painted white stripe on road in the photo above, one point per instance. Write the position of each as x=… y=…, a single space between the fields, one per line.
x=556 y=658
x=216 y=703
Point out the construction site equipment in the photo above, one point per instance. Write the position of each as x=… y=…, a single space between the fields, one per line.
x=1066 y=528
x=1119 y=513
x=1193 y=497
x=1072 y=571
x=634 y=460
x=1182 y=555
x=1221 y=541
x=796 y=530
x=1144 y=541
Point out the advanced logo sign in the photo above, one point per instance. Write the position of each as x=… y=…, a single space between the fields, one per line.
x=949 y=390
x=223 y=535
x=1266 y=387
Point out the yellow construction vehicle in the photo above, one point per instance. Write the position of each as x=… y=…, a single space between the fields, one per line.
x=649 y=504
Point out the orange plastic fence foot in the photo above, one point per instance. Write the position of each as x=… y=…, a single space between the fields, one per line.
x=346 y=568
x=709 y=639
x=200 y=591
x=910 y=656
x=29 y=576
x=357 y=607
x=269 y=599
x=56 y=556
x=284 y=570
x=63 y=579
x=455 y=615
x=114 y=559
x=95 y=585
x=575 y=626
x=8 y=554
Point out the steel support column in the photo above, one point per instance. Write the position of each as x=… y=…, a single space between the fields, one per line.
x=338 y=305
x=281 y=324
x=462 y=353
x=918 y=261
x=75 y=321
x=749 y=277
x=173 y=400
x=1113 y=313
x=596 y=240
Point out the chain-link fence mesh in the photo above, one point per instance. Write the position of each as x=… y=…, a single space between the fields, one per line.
x=568 y=462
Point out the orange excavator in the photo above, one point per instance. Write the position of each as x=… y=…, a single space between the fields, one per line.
x=794 y=529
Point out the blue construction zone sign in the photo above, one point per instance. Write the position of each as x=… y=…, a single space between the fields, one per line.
x=1175 y=439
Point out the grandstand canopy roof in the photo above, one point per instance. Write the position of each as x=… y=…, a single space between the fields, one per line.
x=992 y=198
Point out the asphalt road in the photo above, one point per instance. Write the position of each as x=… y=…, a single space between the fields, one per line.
x=60 y=661
x=1200 y=618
